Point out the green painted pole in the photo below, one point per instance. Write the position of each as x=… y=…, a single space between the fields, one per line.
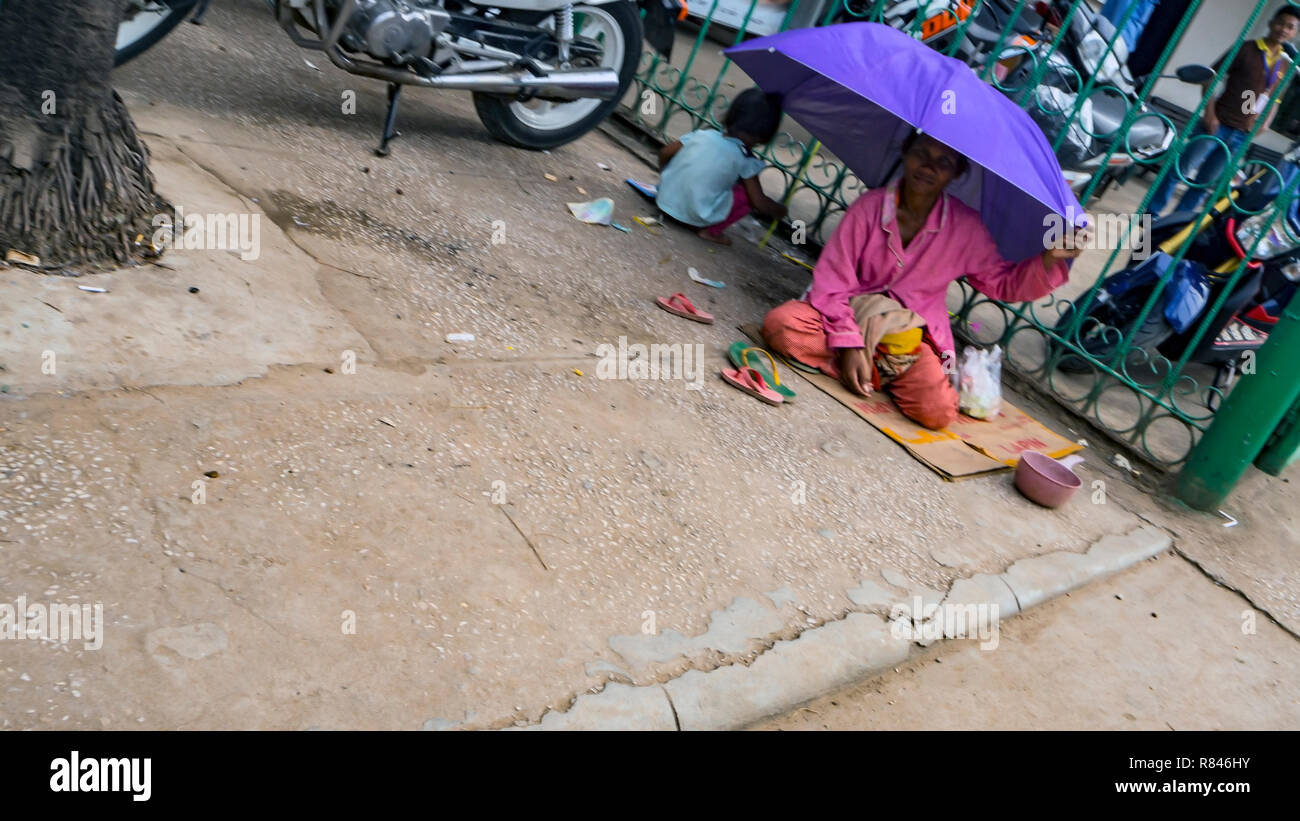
x=1284 y=448
x=1248 y=417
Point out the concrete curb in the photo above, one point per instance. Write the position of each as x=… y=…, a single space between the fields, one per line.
x=1045 y=577
x=818 y=661
x=617 y=707
x=839 y=653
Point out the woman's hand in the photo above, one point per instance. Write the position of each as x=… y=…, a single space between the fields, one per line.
x=1070 y=249
x=855 y=370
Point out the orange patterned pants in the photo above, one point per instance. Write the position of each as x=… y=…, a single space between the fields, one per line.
x=923 y=393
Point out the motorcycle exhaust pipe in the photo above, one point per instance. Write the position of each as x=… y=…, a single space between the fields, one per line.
x=571 y=84
x=561 y=84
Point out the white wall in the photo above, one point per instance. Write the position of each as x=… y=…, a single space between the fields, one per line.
x=1217 y=24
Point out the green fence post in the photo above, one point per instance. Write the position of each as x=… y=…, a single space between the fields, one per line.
x=1248 y=417
x=1284 y=447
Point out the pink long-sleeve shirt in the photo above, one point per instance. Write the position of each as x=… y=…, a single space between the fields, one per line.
x=865 y=256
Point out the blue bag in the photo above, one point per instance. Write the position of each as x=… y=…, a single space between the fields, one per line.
x=1155 y=267
x=1186 y=295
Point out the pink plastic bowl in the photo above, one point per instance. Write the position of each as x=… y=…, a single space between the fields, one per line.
x=1044 y=480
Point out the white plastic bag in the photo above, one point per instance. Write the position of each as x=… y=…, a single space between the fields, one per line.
x=979 y=382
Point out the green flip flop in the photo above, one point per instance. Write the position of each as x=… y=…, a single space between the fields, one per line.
x=748 y=355
x=799 y=366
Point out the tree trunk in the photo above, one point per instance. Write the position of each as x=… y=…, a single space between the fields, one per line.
x=75 y=186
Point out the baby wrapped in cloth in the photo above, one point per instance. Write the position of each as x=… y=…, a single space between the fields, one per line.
x=893 y=332
x=902 y=359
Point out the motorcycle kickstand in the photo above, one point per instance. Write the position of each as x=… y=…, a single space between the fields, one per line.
x=390 y=120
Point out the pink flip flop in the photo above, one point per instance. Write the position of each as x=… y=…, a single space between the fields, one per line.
x=680 y=305
x=751 y=382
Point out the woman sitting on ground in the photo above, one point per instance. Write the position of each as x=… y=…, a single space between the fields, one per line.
x=876 y=314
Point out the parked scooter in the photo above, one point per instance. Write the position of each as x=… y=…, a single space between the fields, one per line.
x=1215 y=253
x=1080 y=56
x=943 y=20
x=1249 y=195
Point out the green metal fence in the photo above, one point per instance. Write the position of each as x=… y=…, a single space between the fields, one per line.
x=1155 y=405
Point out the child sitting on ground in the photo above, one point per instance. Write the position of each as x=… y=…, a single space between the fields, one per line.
x=709 y=180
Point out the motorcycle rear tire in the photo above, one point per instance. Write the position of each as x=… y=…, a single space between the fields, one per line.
x=499 y=118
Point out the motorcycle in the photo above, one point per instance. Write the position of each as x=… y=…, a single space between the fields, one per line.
x=1218 y=246
x=943 y=19
x=1100 y=119
x=542 y=72
x=1254 y=191
x=1080 y=55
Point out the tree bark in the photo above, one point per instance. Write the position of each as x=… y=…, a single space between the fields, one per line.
x=75 y=185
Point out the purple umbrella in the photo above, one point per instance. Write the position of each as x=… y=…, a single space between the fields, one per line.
x=860 y=88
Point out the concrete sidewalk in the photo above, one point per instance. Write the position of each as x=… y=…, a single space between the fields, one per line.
x=469 y=534
x=1157 y=647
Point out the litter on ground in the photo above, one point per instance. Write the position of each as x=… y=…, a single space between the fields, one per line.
x=21 y=258
x=797 y=261
x=595 y=212
x=712 y=283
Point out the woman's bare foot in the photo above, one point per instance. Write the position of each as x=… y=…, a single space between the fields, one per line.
x=721 y=239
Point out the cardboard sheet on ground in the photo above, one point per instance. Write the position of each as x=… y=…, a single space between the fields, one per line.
x=966 y=449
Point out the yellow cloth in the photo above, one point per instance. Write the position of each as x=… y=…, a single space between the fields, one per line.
x=884 y=322
x=902 y=342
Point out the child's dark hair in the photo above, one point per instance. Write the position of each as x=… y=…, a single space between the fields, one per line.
x=754 y=114
x=963 y=164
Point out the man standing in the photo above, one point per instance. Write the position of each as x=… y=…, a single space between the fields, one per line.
x=1250 y=87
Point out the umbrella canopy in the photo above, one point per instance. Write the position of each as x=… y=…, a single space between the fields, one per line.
x=860 y=88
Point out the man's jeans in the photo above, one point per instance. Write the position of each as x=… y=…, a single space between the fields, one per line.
x=1205 y=155
x=1114 y=11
